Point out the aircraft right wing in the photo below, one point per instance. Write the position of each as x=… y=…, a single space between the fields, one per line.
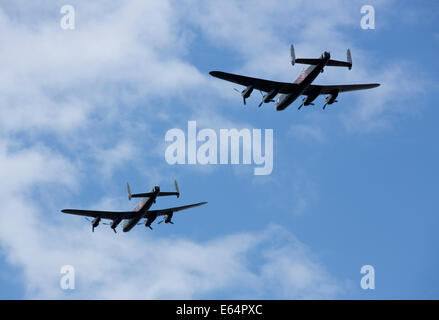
x=162 y=212
x=259 y=84
x=111 y=215
x=340 y=88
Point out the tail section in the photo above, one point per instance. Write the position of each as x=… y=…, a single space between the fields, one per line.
x=176 y=193
x=292 y=55
x=176 y=189
x=128 y=191
x=349 y=58
x=156 y=191
x=332 y=63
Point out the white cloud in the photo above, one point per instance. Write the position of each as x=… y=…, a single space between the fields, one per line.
x=301 y=277
x=23 y=167
x=397 y=94
x=63 y=77
x=304 y=131
x=110 y=159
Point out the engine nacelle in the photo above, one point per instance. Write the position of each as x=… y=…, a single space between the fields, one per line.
x=310 y=98
x=270 y=95
x=168 y=217
x=115 y=223
x=150 y=220
x=247 y=91
x=95 y=222
x=331 y=98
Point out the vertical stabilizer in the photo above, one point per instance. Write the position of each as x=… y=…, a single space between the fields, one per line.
x=176 y=189
x=128 y=191
x=292 y=55
x=349 y=58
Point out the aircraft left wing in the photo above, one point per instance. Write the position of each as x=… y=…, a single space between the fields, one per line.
x=259 y=84
x=340 y=88
x=111 y=215
x=163 y=212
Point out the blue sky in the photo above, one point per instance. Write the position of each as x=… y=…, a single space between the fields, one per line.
x=84 y=111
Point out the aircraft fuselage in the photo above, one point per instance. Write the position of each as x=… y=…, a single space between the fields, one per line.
x=304 y=80
x=140 y=210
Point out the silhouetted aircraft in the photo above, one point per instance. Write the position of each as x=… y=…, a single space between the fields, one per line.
x=140 y=211
x=289 y=92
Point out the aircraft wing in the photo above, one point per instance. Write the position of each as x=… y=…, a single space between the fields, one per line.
x=111 y=215
x=259 y=84
x=340 y=88
x=162 y=212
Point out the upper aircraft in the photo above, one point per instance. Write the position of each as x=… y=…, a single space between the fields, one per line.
x=289 y=92
x=141 y=210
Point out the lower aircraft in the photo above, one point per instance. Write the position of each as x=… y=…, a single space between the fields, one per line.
x=289 y=92
x=140 y=211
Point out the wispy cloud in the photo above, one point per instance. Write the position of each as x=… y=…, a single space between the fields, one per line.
x=305 y=131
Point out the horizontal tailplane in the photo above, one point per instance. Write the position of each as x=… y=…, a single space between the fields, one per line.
x=331 y=63
x=150 y=194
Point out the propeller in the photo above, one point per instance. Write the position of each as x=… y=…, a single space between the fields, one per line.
x=263 y=98
x=164 y=221
x=243 y=99
x=303 y=103
x=92 y=227
x=260 y=104
x=324 y=106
